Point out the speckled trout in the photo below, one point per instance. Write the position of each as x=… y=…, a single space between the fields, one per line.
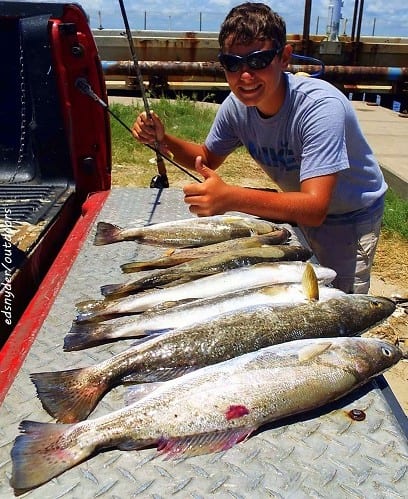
x=208 y=410
x=194 y=231
x=175 y=256
x=71 y=395
x=160 y=319
x=189 y=271
x=260 y=274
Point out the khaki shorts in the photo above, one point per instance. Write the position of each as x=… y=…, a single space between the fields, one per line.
x=347 y=244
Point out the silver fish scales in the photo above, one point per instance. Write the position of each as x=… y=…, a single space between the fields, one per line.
x=210 y=409
x=71 y=395
x=190 y=232
x=259 y=274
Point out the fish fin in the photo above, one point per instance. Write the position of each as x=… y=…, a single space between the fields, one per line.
x=137 y=392
x=169 y=252
x=310 y=283
x=42 y=453
x=203 y=443
x=69 y=396
x=87 y=335
x=311 y=351
x=106 y=233
x=157 y=376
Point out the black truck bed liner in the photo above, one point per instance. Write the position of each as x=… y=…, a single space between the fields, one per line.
x=319 y=454
x=54 y=141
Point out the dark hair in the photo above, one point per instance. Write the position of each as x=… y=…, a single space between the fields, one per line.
x=252 y=21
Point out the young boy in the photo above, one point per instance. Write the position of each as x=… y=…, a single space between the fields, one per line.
x=304 y=134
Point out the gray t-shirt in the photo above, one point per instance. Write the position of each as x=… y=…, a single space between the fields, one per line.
x=315 y=133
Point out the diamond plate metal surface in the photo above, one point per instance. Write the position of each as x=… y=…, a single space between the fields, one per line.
x=323 y=454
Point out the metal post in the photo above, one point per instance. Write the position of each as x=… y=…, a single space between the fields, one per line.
x=100 y=19
x=353 y=27
x=360 y=19
x=306 y=26
x=345 y=26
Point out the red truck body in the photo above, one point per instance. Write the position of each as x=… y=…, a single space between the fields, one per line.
x=55 y=149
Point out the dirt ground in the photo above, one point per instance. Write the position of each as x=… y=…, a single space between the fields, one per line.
x=390 y=279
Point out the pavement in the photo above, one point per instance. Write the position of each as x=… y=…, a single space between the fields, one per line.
x=387 y=134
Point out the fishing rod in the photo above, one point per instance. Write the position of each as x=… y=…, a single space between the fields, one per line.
x=160 y=180
x=83 y=85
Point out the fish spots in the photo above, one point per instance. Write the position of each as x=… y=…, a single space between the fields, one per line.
x=236 y=411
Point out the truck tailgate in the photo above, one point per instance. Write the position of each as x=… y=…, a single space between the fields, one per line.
x=319 y=454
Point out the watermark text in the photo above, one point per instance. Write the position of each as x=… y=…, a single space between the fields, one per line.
x=6 y=267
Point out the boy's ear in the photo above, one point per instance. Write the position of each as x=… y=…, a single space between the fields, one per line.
x=286 y=56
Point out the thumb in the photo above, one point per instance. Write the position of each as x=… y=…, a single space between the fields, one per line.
x=202 y=169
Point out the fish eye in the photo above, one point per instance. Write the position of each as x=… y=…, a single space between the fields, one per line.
x=386 y=351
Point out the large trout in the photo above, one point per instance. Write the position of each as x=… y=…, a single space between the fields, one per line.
x=259 y=274
x=71 y=395
x=210 y=265
x=189 y=232
x=208 y=410
x=176 y=256
x=163 y=318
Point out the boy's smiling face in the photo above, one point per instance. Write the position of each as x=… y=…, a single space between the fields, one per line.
x=262 y=88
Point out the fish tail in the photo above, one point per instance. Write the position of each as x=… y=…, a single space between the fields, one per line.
x=90 y=310
x=69 y=396
x=107 y=233
x=87 y=335
x=158 y=263
x=42 y=452
x=127 y=268
x=113 y=289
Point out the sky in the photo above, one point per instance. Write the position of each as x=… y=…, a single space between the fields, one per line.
x=385 y=18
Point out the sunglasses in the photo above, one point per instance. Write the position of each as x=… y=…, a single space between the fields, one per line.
x=259 y=59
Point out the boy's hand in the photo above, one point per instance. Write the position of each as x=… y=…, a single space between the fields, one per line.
x=209 y=197
x=148 y=130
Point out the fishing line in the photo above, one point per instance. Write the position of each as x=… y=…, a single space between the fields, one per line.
x=161 y=180
x=83 y=85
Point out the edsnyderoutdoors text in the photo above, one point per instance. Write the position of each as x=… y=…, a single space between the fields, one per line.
x=7 y=266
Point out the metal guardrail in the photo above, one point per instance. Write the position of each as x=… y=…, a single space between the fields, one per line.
x=203 y=46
